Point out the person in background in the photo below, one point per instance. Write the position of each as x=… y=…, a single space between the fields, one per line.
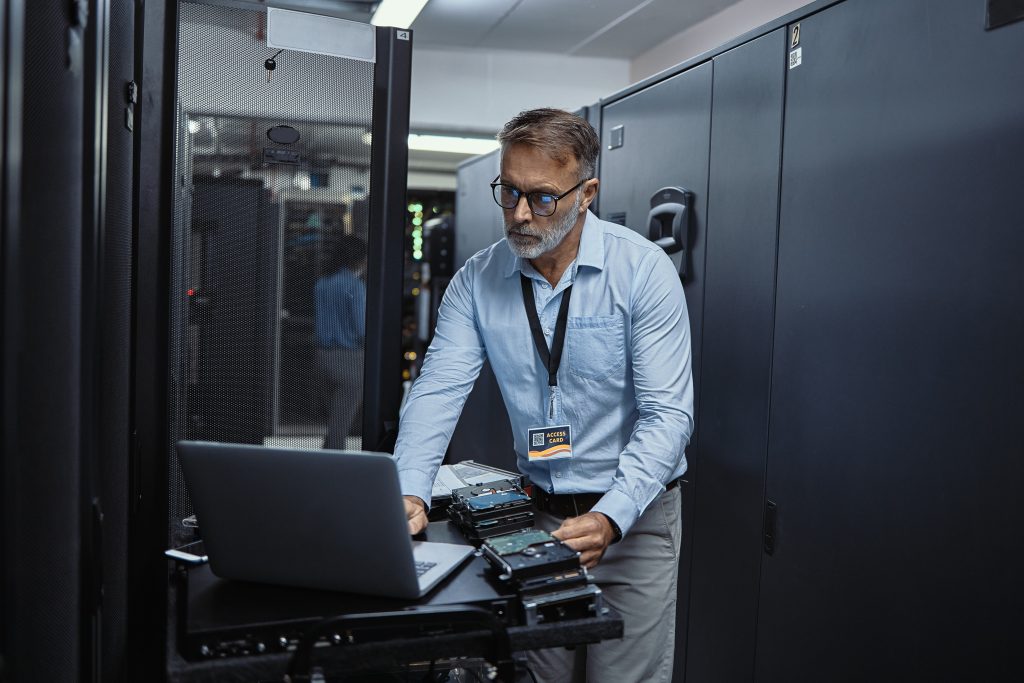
x=585 y=326
x=340 y=334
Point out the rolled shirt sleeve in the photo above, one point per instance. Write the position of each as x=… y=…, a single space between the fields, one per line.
x=432 y=410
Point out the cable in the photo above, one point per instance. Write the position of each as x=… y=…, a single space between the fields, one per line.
x=530 y=671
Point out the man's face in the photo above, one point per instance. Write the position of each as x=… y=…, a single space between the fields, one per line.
x=529 y=169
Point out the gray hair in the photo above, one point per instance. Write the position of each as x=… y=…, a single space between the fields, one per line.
x=559 y=134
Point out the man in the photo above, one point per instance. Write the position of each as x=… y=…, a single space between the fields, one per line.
x=340 y=298
x=597 y=385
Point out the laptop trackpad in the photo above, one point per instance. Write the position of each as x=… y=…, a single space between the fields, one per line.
x=436 y=560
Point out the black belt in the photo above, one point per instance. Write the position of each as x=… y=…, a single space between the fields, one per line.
x=572 y=504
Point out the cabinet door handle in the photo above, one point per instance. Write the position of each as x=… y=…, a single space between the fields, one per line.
x=668 y=222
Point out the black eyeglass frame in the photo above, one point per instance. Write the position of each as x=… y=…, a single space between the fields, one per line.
x=519 y=194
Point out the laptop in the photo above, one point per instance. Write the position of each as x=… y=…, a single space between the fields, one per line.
x=321 y=519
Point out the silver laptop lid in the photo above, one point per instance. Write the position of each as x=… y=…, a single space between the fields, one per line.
x=316 y=519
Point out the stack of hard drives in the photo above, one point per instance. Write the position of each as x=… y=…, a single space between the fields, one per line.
x=546 y=574
x=491 y=509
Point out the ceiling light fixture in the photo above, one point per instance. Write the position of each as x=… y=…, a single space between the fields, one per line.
x=397 y=13
x=447 y=143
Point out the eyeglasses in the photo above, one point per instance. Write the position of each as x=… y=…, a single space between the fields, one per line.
x=540 y=203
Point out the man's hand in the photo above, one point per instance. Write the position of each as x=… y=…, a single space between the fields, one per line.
x=589 y=534
x=416 y=513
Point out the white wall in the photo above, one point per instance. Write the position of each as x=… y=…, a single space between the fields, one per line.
x=717 y=29
x=477 y=91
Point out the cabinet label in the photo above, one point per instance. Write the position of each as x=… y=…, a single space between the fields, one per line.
x=795 y=57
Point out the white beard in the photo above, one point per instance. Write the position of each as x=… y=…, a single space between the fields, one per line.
x=548 y=239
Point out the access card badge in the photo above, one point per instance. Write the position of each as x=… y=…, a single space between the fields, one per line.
x=550 y=443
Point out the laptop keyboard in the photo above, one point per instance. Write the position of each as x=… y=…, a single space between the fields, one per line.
x=424 y=567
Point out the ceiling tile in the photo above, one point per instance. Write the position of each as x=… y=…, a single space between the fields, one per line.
x=559 y=26
x=458 y=23
x=652 y=25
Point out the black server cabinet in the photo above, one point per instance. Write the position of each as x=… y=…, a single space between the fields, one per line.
x=895 y=448
x=659 y=138
x=478 y=222
x=653 y=139
x=483 y=432
x=230 y=311
x=107 y=298
x=66 y=249
x=42 y=599
x=739 y=294
x=352 y=100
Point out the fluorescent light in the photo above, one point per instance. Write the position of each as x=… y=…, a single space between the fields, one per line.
x=447 y=143
x=397 y=13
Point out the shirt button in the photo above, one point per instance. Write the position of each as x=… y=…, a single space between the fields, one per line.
x=558 y=475
x=545 y=285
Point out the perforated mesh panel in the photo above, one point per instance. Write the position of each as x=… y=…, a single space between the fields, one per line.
x=267 y=307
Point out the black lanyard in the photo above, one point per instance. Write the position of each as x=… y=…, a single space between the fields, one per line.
x=553 y=358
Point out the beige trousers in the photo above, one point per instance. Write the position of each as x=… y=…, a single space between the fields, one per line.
x=638 y=577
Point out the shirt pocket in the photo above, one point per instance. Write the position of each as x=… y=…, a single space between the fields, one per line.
x=597 y=346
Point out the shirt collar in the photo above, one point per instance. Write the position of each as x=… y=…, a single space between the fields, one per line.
x=591 y=249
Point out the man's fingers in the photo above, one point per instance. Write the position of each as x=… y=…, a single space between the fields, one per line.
x=417 y=522
x=586 y=535
x=415 y=513
x=580 y=542
x=572 y=527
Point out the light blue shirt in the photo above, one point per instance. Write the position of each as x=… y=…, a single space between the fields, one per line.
x=340 y=311
x=624 y=384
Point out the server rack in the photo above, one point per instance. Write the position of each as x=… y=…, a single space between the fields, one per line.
x=68 y=175
x=158 y=495
x=483 y=432
x=655 y=142
x=726 y=512
x=42 y=419
x=855 y=267
x=851 y=479
x=893 y=447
